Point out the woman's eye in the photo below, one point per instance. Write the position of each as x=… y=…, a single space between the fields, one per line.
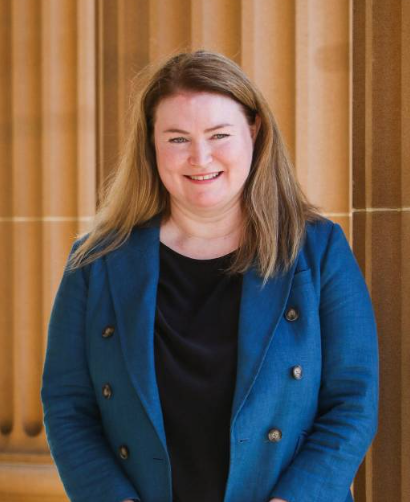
x=177 y=140
x=184 y=140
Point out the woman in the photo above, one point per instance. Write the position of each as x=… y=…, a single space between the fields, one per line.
x=212 y=338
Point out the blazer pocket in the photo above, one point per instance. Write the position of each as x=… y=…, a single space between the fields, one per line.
x=302 y=277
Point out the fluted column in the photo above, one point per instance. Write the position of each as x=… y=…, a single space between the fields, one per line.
x=298 y=54
x=322 y=94
x=123 y=48
x=6 y=210
x=216 y=26
x=27 y=194
x=169 y=25
x=269 y=58
x=48 y=180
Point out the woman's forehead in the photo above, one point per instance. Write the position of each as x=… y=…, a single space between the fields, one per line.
x=198 y=106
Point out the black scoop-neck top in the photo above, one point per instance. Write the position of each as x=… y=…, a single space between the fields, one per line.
x=195 y=348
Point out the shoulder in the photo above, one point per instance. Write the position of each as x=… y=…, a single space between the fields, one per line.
x=323 y=237
x=319 y=230
x=318 y=234
x=329 y=254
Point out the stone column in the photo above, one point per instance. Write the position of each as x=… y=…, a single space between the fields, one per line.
x=47 y=178
x=381 y=226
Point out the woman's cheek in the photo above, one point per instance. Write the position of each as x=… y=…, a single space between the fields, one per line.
x=178 y=154
x=169 y=157
x=226 y=149
x=235 y=152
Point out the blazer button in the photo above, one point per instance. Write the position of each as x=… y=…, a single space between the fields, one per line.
x=292 y=314
x=124 y=452
x=275 y=435
x=297 y=372
x=108 y=331
x=107 y=391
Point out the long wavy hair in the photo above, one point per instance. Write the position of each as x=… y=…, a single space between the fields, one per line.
x=274 y=207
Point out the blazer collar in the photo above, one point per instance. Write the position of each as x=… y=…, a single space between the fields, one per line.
x=133 y=272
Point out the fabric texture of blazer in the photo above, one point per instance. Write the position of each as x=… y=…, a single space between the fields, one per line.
x=305 y=404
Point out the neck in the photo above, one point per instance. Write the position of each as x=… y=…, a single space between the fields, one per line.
x=203 y=233
x=208 y=227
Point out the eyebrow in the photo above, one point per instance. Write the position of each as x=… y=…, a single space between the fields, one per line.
x=219 y=126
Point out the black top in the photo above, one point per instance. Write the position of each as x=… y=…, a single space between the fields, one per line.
x=195 y=343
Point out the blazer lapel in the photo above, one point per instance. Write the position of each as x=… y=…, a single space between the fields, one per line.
x=260 y=313
x=133 y=271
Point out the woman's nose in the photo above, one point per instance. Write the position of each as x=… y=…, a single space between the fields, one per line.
x=200 y=154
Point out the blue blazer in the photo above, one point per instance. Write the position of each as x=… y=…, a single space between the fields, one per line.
x=305 y=404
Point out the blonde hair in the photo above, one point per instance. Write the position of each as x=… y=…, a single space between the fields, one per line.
x=274 y=207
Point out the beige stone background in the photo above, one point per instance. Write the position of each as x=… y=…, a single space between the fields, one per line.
x=337 y=76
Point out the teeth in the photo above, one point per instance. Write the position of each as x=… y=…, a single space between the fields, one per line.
x=207 y=177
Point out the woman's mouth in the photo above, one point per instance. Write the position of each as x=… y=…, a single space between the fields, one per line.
x=204 y=178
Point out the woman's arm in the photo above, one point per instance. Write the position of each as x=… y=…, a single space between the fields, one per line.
x=86 y=464
x=346 y=420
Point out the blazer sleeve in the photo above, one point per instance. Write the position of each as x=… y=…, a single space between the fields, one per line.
x=87 y=466
x=346 y=419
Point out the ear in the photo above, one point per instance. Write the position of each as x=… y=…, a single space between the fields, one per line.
x=255 y=128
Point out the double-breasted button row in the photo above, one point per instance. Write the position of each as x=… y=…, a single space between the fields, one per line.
x=123 y=451
x=291 y=314
x=108 y=331
x=107 y=390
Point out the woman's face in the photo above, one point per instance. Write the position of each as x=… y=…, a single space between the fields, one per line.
x=202 y=134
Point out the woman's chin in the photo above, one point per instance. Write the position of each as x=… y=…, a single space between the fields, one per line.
x=206 y=205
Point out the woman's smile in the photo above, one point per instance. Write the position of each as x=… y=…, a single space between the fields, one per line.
x=204 y=178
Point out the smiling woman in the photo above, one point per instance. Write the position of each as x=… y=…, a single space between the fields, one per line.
x=212 y=338
x=204 y=164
